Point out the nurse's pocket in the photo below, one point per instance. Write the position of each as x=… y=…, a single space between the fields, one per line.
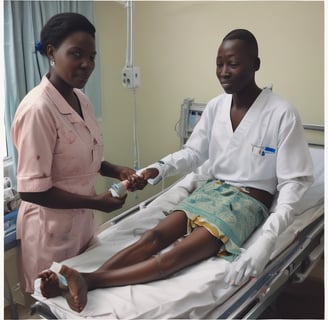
x=58 y=223
x=97 y=153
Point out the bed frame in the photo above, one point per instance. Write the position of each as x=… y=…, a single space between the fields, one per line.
x=293 y=265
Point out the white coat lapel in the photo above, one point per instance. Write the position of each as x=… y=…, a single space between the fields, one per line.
x=250 y=118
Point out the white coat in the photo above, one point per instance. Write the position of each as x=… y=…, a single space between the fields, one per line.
x=267 y=150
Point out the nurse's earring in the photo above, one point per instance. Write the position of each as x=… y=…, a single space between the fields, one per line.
x=52 y=62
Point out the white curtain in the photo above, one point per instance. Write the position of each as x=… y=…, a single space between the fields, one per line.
x=23 y=21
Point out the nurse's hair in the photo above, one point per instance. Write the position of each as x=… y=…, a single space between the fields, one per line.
x=244 y=35
x=62 y=25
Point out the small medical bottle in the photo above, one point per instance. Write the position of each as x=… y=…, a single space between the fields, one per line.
x=118 y=190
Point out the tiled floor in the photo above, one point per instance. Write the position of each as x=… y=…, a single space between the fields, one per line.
x=297 y=301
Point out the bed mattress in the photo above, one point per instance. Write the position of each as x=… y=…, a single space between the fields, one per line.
x=198 y=291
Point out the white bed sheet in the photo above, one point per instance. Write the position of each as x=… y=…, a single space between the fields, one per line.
x=195 y=292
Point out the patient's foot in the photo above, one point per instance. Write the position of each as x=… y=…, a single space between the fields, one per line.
x=77 y=292
x=49 y=284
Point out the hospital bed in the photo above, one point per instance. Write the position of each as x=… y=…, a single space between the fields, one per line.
x=198 y=291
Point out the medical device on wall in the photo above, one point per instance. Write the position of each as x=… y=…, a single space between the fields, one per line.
x=131 y=77
x=190 y=114
x=11 y=198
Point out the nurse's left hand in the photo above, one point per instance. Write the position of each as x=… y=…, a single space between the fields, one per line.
x=107 y=203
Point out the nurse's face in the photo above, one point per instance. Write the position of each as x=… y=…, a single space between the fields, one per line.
x=235 y=67
x=74 y=60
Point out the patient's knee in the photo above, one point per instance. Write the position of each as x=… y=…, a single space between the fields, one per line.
x=152 y=237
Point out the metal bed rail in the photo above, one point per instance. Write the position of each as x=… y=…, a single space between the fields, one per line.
x=302 y=255
x=254 y=297
x=293 y=264
x=314 y=127
x=251 y=300
x=42 y=310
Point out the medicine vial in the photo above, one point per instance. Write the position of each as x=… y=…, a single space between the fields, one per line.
x=118 y=190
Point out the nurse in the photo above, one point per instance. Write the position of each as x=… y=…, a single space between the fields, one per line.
x=60 y=152
x=254 y=145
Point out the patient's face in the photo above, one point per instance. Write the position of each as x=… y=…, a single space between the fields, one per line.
x=235 y=66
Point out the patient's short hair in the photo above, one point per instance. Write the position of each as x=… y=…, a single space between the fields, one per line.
x=62 y=25
x=244 y=35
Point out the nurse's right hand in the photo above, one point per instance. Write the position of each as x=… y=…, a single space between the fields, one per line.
x=107 y=203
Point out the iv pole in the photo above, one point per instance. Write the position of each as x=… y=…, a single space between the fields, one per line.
x=129 y=47
x=131 y=78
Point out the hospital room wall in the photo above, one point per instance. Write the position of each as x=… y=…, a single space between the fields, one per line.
x=175 y=46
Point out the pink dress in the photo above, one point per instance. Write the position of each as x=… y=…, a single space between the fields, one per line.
x=56 y=148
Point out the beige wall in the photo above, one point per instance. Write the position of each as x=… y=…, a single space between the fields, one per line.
x=175 y=47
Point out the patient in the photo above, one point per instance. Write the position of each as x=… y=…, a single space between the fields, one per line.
x=255 y=145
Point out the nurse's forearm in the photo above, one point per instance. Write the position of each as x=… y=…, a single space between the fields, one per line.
x=109 y=170
x=60 y=199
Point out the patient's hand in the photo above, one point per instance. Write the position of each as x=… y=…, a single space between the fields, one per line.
x=136 y=182
x=251 y=262
x=149 y=173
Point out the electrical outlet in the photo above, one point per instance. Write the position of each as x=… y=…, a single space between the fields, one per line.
x=131 y=77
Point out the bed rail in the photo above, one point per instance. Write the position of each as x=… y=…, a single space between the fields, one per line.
x=42 y=310
x=257 y=296
x=314 y=127
x=133 y=209
x=314 y=131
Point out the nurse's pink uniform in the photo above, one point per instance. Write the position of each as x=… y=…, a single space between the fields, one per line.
x=56 y=148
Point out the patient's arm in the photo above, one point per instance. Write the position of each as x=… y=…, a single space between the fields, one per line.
x=252 y=261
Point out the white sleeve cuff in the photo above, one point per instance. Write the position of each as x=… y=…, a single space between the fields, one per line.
x=56 y=267
x=160 y=167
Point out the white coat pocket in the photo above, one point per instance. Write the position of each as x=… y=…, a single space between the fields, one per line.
x=263 y=162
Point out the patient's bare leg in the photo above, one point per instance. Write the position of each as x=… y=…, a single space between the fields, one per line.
x=150 y=243
x=198 y=246
x=76 y=295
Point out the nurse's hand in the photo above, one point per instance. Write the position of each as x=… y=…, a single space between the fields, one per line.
x=125 y=173
x=107 y=203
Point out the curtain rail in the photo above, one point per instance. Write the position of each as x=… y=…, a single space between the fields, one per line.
x=314 y=127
